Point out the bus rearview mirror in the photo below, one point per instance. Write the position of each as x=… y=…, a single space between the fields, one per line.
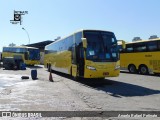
x=123 y=43
x=84 y=41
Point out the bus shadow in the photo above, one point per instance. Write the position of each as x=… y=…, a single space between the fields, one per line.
x=34 y=67
x=127 y=72
x=113 y=88
x=118 y=89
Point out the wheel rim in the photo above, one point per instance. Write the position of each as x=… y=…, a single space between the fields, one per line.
x=143 y=70
x=132 y=69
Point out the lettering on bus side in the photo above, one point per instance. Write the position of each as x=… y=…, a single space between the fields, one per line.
x=148 y=55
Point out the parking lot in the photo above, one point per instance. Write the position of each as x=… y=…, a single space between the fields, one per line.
x=128 y=92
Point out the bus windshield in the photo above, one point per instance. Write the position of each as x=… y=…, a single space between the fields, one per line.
x=101 y=46
x=34 y=54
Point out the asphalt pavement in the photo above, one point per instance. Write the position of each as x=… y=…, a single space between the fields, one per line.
x=128 y=92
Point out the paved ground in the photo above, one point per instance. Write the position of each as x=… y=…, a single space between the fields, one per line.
x=128 y=92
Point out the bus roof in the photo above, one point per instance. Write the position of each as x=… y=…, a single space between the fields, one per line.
x=91 y=30
x=22 y=47
x=141 y=41
x=77 y=32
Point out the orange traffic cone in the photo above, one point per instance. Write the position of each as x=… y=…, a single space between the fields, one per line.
x=50 y=77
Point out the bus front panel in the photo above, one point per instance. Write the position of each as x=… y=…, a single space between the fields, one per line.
x=101 y=69
x=101 y=55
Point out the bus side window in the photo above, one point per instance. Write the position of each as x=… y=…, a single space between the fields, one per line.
x=18 y=50
x=158 y=45
x=8 y=49
x=73 y=55
x=140 y=47
x=13 y=49
x=129 y=48
x=152 y=46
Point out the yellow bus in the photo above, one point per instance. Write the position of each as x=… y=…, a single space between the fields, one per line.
x=86 y=54
x=30 y=55
x=141 y=56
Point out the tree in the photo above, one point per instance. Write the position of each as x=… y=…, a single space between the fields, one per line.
x=12 y=45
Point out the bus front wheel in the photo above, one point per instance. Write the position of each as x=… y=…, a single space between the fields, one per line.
x=143 y=70
x=132 y=69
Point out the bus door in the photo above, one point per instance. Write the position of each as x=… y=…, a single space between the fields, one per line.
x=80 y=60
x=74 y=62
x=26 y=54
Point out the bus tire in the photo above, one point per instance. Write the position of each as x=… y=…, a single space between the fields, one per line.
x=157 y=74
x=132 y=68
x=143 y=69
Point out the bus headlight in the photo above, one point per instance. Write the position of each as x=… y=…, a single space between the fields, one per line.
x=91 y=68
x=117 y=67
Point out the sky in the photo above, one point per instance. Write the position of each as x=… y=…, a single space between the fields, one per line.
x=48 y=19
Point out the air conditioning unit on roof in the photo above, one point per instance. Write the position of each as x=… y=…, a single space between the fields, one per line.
x=153 y=37
x=136 y=39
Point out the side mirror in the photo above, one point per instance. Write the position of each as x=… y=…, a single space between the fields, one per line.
x=84 y=41
x=123 y=43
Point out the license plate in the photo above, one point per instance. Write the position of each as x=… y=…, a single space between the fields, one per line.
x=106 y=73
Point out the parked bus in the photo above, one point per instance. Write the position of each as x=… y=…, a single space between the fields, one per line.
x=141 y=56
x=86 y=53
x=30 y=55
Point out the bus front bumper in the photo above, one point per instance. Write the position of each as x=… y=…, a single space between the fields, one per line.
x=101 y=73
x=32 y=62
